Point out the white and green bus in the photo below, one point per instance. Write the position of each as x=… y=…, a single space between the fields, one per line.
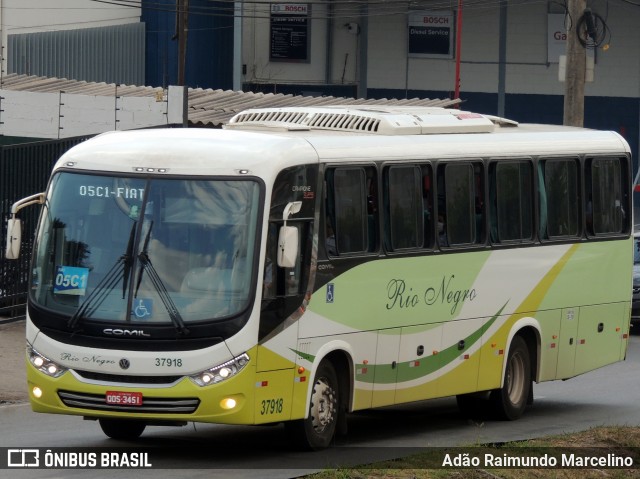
x=304 y=263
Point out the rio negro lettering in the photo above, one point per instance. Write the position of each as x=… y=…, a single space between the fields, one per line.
x=402 y=296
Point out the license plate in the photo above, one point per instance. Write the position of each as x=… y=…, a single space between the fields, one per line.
x=121 y=398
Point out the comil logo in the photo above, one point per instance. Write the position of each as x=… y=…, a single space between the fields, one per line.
x=23 y=458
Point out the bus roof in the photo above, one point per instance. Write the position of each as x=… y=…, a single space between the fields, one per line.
x=264 y=141
x=387 y=132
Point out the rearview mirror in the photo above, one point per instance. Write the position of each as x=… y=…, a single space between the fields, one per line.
x=14 y=226
x=14 y=237
x=287 y=246
x=288 y=237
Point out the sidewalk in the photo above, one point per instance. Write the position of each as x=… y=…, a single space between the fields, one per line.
x=13 y=380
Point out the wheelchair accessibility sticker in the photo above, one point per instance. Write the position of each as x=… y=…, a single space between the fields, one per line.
x=142 y=308
x=330 y=295
x=71 y=280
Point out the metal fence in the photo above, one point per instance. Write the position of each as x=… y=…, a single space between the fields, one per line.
x=24 y=170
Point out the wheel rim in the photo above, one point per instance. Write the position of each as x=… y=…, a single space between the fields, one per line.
x=515 y=378
x=323 y=405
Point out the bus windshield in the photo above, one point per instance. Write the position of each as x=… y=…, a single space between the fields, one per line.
x=154 y=250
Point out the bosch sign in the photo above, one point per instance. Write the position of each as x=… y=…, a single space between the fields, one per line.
x=290 y=8
x=431 y=34
x=436 y=20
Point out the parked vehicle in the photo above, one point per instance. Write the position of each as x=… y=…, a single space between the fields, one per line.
x=635 y=304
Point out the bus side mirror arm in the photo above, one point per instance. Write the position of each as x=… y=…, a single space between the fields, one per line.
x=14 y=225
x=288 y=237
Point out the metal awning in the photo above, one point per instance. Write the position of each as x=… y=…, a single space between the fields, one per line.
x=207 y=107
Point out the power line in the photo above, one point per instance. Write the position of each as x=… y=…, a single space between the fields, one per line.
x=339 y=9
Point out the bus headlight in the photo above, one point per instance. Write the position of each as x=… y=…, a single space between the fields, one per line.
x=44 y=364
x=221 y=372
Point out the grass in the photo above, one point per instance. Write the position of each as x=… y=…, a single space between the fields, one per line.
x=621 y=441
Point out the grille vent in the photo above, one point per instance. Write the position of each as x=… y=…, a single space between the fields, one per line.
x=324 y=121
x=379 y=120
x=121 y=378
x=149 y=405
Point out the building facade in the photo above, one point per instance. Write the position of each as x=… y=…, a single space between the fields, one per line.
x=507 y=52
x=509 y=59
x=77 y=39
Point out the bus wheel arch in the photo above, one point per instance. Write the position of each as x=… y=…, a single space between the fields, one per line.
x=531 y=335
x=328 y=404
x=519 y=372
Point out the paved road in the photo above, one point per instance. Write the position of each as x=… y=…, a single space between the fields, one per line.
x=608 y=396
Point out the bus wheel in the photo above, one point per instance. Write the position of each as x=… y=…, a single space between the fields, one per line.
x=122 y=429
x=317 y=430
x=511 y=399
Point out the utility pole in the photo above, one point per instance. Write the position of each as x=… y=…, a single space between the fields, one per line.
x=575 y=67
x=182 y=30
x=456 y=94
x=502 y=58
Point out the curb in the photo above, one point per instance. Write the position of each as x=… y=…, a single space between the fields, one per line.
x=7 y=320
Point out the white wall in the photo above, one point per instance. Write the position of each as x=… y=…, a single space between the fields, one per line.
x=65 y=115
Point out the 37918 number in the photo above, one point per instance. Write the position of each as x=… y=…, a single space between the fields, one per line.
x=168 y=363
x=271 y=406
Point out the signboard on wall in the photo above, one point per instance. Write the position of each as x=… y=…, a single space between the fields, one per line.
x=431 y=34
x=289 y=32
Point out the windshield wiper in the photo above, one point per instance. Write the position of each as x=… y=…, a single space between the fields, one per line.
x=121 y=269
x=156 y=281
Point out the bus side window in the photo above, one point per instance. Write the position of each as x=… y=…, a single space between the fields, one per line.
x=461 y=204
x=270 y=263
x=606 y=207
x=403 y=207
x=351 y=226
x=511 y=200
x=427 y=205
x=559 y=187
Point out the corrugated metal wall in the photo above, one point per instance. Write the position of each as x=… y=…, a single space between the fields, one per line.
x=209 y=46
x=24 y=171
x=112 y=54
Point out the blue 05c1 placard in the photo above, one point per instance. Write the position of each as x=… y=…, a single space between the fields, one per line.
x=71 y=280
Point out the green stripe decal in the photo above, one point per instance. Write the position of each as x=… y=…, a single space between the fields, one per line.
x=385 y=374
x=404 y=299
x=305 y=356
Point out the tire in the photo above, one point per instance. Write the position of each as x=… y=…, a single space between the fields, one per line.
x=318 y=429
x=511 y=399
x=122 y=429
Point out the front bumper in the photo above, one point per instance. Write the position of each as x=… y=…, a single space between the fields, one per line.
x=180 y=401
